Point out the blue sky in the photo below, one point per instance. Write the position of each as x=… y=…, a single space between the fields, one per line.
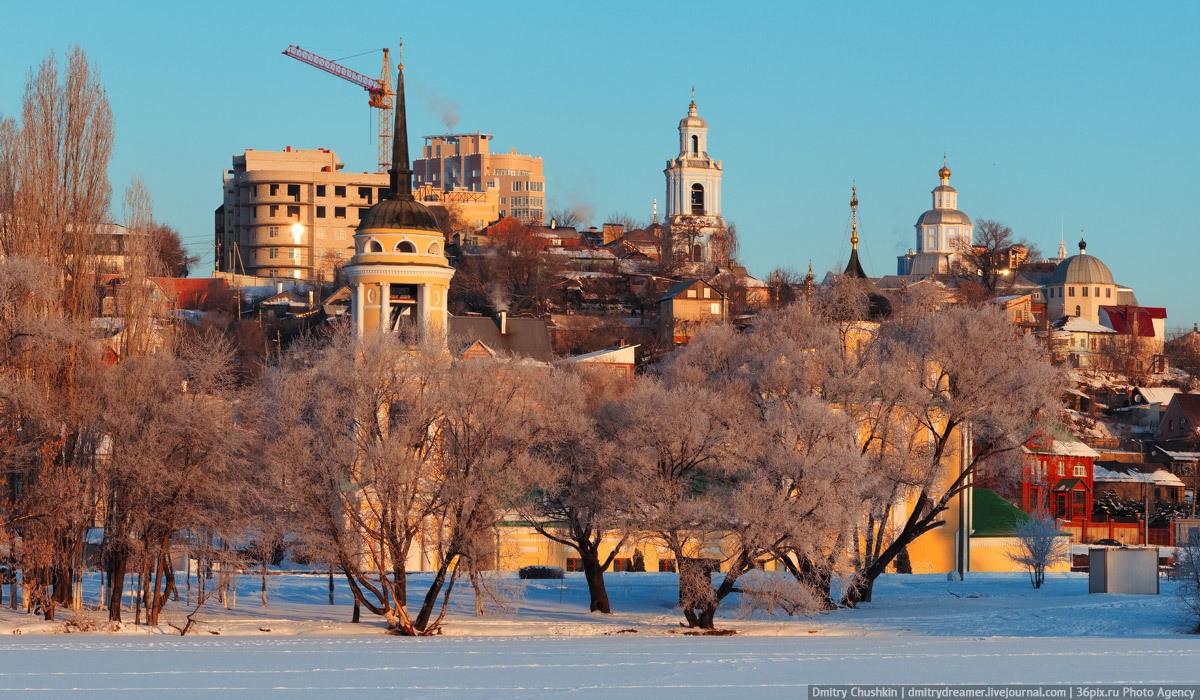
x=1081 y=112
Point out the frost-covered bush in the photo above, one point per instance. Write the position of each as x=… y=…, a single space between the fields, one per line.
x=1187 y=573
x=1040 y=545
x=769 y=592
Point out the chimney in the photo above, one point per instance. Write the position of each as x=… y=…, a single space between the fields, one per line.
x=279 y=287
x=620 y=342
x=503 y=323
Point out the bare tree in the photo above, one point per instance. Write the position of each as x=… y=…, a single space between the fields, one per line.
x=172 y=256
x=569 y=491
x=1187 y=573
x=401 y=461
x=173 y=464
x=565 y=216
x=54 y=195
x=1041 y=544
x=957 y=391
x=675 y=446
x=993 y=259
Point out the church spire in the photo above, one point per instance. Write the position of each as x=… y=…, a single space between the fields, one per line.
x=854 y=217
x=854 y=268
x=400 y=172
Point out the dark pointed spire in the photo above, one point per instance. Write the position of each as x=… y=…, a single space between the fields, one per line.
x=854 y=267
x=400 y=172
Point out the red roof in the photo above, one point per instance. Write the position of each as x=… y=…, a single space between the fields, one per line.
x=197 y=294
x=1123 y=319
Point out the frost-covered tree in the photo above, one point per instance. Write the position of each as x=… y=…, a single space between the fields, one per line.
x=679 y=449
x=1187 y=574
x=1040 y=545
x=569 y=488
x=955 y=392
x=401 y=460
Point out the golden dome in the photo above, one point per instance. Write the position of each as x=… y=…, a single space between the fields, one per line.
x=944 y=173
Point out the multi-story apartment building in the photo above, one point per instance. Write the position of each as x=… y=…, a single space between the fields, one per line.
x=291 y=213
x=452 y=162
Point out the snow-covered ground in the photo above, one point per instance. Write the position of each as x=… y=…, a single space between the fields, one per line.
x=990 y=628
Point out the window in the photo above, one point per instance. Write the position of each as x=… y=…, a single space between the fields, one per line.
x=339 y=212
x=697 y=199
x=273 y=232
x=667 y=565
x=706 y=292
x=375 y=247
x=1078 y=312
x=1108 y=293
x=715 y=308
x=1061 y=468
x=365 y=193
x=574 y=564
x=622 y=564
x=273 y=253
x=1085 y=291
x=273 y=210
x=1080 y=470
x=293 y=212
x=362 y=213
x=405 y=247
x=274 y=189
x=339 y=191
x=320 y=190
x=691 y=294
x=320 y=212
x=695 y=145
x=294 y=192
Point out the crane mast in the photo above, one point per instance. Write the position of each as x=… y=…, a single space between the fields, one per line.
x=380 y=94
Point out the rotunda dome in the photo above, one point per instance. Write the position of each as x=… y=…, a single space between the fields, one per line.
x=403 y=213
x=1081 y=269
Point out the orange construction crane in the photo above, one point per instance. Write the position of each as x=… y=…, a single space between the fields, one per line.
x=379 y=91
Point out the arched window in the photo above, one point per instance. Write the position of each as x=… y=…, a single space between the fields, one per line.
x=375 y=247
x=698 y=254
x=405 y=247
x=435 y=248
x=1078 y=311
x=696 y=145
x=697 y=199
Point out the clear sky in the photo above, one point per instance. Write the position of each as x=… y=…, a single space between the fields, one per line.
x=1084 y=113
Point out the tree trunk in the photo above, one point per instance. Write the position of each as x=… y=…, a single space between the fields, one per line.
x=116 y=584
x=594 y=575
x=431 y=595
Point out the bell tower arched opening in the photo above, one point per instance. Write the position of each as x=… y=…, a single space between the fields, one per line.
x=697 y=199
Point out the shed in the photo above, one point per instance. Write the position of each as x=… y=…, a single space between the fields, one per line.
x=1128 y=570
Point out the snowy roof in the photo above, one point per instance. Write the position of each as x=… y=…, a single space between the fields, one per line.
x=1067 y=448
x=1134 y=473
x=623 y=354
x=1180 y=455
x=1076 y=324
x=1157 y=394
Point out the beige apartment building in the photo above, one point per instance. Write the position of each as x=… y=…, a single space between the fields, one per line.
x=293 y=213
x=455 y=162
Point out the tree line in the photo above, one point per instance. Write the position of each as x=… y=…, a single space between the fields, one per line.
x=812 y=440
